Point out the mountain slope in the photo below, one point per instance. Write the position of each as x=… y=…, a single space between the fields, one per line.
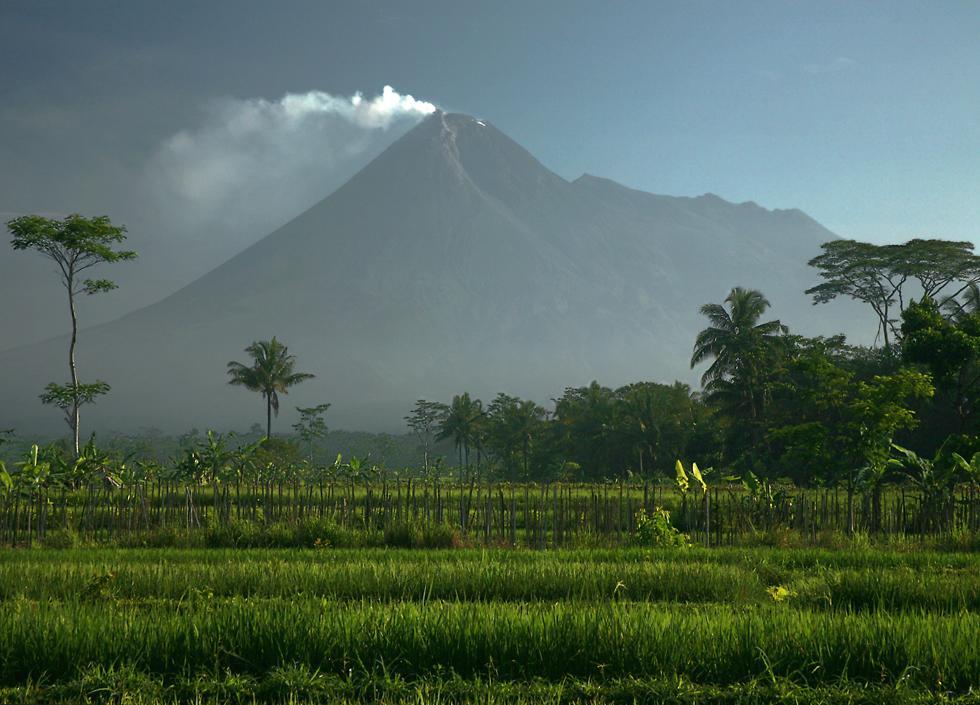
x=454 y=261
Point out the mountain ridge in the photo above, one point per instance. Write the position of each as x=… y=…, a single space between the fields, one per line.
x=453 y=261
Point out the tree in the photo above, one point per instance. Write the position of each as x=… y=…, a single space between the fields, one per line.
x=937 y=265
x=957 y=308
x=656 y=421
x=586 y=419
x=609 y=433
x=422 y=421
x=514 y=427
x=863 y=272
x=271 y=373
x=827 y=425
x=744 y=353
x=460 y=422
x=76 y=244
x=311 y=424
x=877 y=275
x=810 y=393
x=950 y=350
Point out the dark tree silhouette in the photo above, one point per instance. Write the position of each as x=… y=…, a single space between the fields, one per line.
x=271 y=373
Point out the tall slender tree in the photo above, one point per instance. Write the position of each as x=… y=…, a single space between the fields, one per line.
x=311 y=425
x=423 y=419
x=76 y=244
x=271 y=373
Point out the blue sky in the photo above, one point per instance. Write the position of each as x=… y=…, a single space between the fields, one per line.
x=864 y=115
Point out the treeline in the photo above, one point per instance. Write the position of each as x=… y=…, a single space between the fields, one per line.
x=773 y=404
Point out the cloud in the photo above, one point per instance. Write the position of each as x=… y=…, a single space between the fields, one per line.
x=255 y=163
x=841 y=63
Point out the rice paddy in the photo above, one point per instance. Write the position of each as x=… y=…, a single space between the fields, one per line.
x=489 y=625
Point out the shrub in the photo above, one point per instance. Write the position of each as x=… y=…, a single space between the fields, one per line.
x=402 y=535
x=655 y=530
x=440 y=536
x=62 y=538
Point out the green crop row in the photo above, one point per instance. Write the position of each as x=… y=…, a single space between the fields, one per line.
x=704 y=644
x=476 y=577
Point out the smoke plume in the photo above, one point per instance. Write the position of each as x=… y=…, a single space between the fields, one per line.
x=255 y=163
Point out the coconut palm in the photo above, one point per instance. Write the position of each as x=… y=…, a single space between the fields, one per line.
x=739 y=345
x=957 y=309
x=270 y=373
x=461 y=422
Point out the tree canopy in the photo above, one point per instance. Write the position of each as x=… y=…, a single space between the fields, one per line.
x=877 y=275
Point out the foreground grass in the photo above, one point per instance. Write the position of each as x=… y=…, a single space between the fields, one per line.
x=295 y=686
x=399 y=626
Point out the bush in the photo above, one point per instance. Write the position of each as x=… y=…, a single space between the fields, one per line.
x=655 y=530
x=412 y=535
x=61 y=538
x=440 y=536
x=402 y=535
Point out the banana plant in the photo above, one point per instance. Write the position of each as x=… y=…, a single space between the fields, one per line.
x=931 y=477
x=6 y=482
x=33 y=472
x=217 y=460
x=681 y=478
x=699 y=477
x=871 y=479
x=684 y=485
x=684 y=481
x=31 y=479
x=969 y=468
x=935 y=480
x=95 y=464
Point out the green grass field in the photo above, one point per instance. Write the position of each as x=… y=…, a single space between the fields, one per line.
x=375 y=625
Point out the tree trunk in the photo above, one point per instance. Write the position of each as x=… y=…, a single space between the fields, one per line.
x=74 y=414
x=268 y=417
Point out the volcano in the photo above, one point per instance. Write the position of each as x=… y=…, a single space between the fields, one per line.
x=453 y=262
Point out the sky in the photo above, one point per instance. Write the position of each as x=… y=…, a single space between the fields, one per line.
x=203 y=126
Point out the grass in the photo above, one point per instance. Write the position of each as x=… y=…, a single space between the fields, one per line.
x=818 y=579
x=706 y=644
x=388 y=625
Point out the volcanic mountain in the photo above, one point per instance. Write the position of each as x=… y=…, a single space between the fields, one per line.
x=453 y=262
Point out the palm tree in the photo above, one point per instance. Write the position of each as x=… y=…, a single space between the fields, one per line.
x=461 y=421
x=271 y=373
x=957 y=310
x=525 y=422
x=739 y=346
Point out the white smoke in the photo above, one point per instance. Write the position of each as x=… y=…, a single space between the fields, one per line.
x=254 y=164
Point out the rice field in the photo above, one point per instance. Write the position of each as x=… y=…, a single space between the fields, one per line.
x=489 y=625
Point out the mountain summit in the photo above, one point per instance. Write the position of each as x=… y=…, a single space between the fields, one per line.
x=453 y=262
